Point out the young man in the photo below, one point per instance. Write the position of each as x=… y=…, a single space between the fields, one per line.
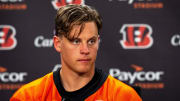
x=77 y=41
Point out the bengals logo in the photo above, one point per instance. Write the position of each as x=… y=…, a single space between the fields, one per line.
x=7 y=37
x=136 y=36
x=58 y=3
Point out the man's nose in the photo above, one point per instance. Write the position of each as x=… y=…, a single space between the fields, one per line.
x=84 y=49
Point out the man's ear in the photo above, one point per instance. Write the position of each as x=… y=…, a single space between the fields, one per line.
x=57 y=43
x=99 y=41
x=99 y=38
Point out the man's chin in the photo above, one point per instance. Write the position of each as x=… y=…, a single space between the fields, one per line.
x=84 y=69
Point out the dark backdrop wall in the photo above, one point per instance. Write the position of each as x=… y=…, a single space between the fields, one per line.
x=140 y=43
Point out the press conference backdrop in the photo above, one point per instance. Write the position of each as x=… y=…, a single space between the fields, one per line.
x=140 y=43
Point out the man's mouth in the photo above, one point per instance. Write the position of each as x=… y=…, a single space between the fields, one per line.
x=84 y=60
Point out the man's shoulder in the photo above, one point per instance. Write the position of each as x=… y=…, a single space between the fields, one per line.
x=122 y=89
x=117 y=83
x=35 y=87
x=39 y=82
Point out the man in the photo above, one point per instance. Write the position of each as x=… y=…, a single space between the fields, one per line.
x=77 y=40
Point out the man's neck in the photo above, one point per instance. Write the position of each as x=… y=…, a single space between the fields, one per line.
x=73 y=81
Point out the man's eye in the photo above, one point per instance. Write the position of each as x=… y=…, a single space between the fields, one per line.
x=91 y=42
x=75 y=41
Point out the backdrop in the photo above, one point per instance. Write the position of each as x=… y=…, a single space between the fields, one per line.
x=140 y=43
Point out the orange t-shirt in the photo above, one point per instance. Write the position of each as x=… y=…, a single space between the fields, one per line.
x=102 y=87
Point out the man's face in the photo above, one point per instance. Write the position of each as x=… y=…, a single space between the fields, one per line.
x=79 y=54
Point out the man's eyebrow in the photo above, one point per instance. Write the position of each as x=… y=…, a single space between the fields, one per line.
x=77 y=38
x=93 y=37
x=72 y=39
